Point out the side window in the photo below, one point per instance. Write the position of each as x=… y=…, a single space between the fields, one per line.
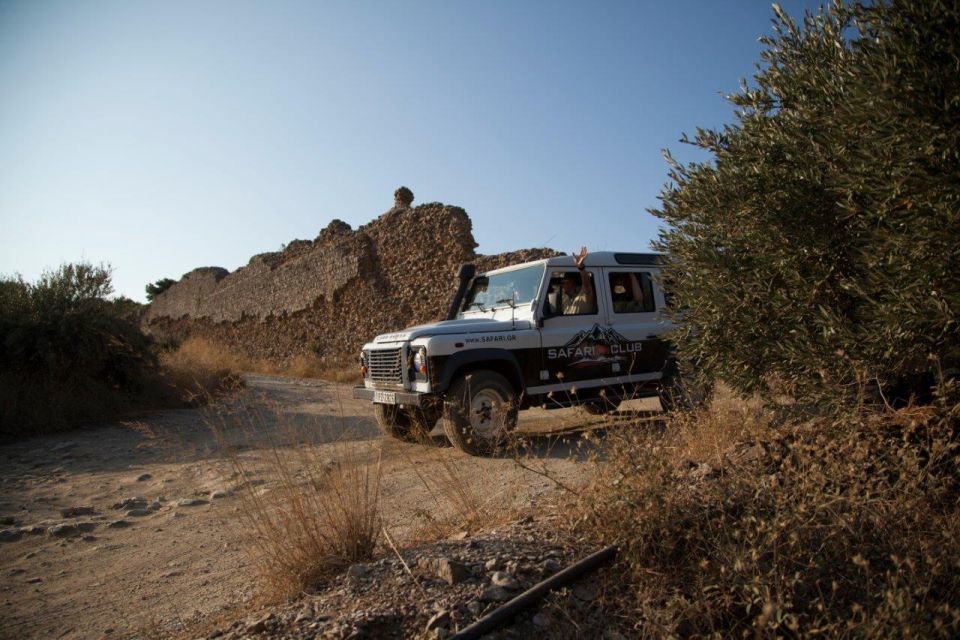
x=566 y=295
x=632 y=292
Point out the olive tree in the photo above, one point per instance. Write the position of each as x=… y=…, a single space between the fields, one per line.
x=818 y=252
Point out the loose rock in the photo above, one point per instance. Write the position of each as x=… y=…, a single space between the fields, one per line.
x=505 y=580
x=451 y=571
x=73 y=512
x=64 y=530
x=441 y=619
x=191 y=502
x=494 y=594
x=10 y=535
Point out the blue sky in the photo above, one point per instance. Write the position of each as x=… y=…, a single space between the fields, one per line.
x=164 y=136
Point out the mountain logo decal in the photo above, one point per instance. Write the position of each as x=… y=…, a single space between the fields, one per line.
x=595 y=345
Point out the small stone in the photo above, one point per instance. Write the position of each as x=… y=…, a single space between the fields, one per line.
x=10 y=535
x=118 y=524
x=475 y=608
x=357 y=572
x=172 y=574
x=73 y=512
x=505 y=580
x=136 y=502
x=550 y=567
x=63 y=530
x=260 y=625
x=219 y=494
x=541 y=620
x=216 y=633
x=191 y=502
x=460 y=535
x=33 y=530
x=493 y=564
x=143 y=477
x=450 y=571
x=89 y=538
x=494 y=594
x=441 y=619
x=584 y=593
x=87 y=527
x=34 y=580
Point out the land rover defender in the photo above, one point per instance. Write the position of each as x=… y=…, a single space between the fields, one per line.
x=511 y=341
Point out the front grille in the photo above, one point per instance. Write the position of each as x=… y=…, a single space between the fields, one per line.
x=385 y=366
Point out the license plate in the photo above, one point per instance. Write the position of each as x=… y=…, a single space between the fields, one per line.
x=385 y=397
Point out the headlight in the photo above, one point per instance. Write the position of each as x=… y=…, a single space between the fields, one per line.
x=420 y=361
x=363 y=363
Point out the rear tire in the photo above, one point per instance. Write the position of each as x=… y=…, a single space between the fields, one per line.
x=677 y=392
x=479 y=412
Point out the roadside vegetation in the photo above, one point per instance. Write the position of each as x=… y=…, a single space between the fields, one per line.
x=71 y=354
x=814 y=263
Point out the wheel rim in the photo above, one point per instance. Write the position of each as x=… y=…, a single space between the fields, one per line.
x=487 y=414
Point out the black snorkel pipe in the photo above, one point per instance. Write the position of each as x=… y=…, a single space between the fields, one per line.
x=466 y=274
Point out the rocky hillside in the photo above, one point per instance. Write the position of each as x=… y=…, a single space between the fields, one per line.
x=329 y=295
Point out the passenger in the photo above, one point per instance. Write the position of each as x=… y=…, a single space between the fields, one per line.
x=626 y=299
x=574 y=301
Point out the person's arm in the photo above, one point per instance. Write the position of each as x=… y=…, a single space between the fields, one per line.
x=585 y=281
x=637 y=291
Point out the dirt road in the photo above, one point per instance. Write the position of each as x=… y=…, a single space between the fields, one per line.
x=176 y=549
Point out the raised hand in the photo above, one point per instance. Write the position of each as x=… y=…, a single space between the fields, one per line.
x=580 y=257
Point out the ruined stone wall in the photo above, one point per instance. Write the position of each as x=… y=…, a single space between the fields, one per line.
x=330 y=295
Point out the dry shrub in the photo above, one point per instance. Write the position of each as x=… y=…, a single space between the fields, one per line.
x=844 y=528
x=309 y=514
x=204 y=353
x=198 y=369
x=311 y=366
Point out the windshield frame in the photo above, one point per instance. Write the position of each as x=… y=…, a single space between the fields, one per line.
x=536 y=271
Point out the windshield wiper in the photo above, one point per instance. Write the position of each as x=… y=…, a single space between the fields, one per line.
x=478 y=305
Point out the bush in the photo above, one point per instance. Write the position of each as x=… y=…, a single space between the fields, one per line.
x=839 y=529
x=817 y=253
x=69 y=354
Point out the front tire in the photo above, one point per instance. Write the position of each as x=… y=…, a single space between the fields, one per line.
x=393 y=422
x=407 y=425
x=479 y=412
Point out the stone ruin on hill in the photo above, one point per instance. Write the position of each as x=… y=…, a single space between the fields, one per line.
x=330 y=295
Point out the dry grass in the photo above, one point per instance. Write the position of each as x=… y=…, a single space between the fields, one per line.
x=837 y=529
x=216 y=355
x=197 y=370
x=191 y=375
x=308 y=506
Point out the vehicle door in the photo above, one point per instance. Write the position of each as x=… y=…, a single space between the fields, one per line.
x=574 y=347
x=635 y=324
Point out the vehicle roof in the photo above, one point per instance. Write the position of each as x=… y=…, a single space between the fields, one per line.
x=595 y=259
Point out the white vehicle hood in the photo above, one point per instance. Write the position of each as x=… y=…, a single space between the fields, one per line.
x=463 y=325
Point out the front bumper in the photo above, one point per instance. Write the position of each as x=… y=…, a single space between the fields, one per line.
x=407 y=398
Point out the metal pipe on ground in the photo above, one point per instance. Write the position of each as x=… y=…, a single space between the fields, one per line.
x=504 y=612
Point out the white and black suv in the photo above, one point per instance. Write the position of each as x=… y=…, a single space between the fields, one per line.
x=509 y=344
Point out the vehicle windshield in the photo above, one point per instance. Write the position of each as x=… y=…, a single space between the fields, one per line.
x=498 y=290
